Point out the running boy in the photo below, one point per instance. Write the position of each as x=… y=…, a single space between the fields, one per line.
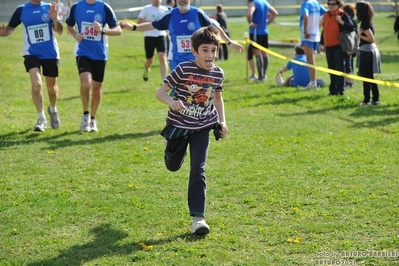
x=196 y=108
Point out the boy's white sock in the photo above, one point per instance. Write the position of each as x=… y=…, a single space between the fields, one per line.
x=53 y=109
x=41 y=115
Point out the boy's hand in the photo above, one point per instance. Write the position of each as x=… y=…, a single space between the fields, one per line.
x=220 y=130
x=223 y=129
x=177 y=106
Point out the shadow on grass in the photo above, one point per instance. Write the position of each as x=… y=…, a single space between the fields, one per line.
x=104 y=93
x=274 y=96
x=387 y=115
x=105 y=244
x=61 y=140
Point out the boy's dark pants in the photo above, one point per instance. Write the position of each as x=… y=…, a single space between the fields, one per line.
x=175 y=152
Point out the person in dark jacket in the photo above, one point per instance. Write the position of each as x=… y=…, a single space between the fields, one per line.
x=221 y=17
x=396 y=26
x=349 y=9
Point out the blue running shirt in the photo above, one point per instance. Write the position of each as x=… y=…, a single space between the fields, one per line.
x=39 y=39
x=301 y=73
x=181 y=27
x=94 y=45
x=259 y=17
x=314 y=11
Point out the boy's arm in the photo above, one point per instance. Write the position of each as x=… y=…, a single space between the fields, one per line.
x=162 y=96
x=283 y=69
x=219 y=105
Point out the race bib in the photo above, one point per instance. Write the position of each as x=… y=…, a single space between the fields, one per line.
x=39 y=33
x=184 y=44
x=89 y=32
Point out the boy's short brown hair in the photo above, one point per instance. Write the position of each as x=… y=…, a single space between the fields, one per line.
x=299 y=50
x=205 y=35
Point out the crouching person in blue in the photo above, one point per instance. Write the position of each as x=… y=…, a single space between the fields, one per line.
x=301 y=76
x=196 y=108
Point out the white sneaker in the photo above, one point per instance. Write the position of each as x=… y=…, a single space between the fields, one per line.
x=253 y=78
x=199 y=226
x=85 y=126
x=41 y=125
x=93 y=126
x=279 y=80
x=310 y=86
x=54 y=118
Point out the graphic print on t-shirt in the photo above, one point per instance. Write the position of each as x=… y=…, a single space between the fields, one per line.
x=200 y=95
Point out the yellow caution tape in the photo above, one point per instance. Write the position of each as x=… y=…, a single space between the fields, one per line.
x=323 y=69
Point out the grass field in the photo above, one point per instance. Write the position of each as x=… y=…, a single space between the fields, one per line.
x=301 y=179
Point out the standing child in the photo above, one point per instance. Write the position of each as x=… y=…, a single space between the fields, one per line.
x=196 y=108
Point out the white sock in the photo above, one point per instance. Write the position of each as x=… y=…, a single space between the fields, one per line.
x=53 y=109
x=313 y=82
x=41 y=115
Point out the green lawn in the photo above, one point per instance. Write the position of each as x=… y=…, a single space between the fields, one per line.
x=301 y=179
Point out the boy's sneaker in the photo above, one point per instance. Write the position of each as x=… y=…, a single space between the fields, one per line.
x=310 y=86
x=375 y=103
x=253 y=78
x=41 y=125
x=54 y=118
x=145 y=74
x=199 y=226
x=364 y=104
x=85 y=126
x=93 y=126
